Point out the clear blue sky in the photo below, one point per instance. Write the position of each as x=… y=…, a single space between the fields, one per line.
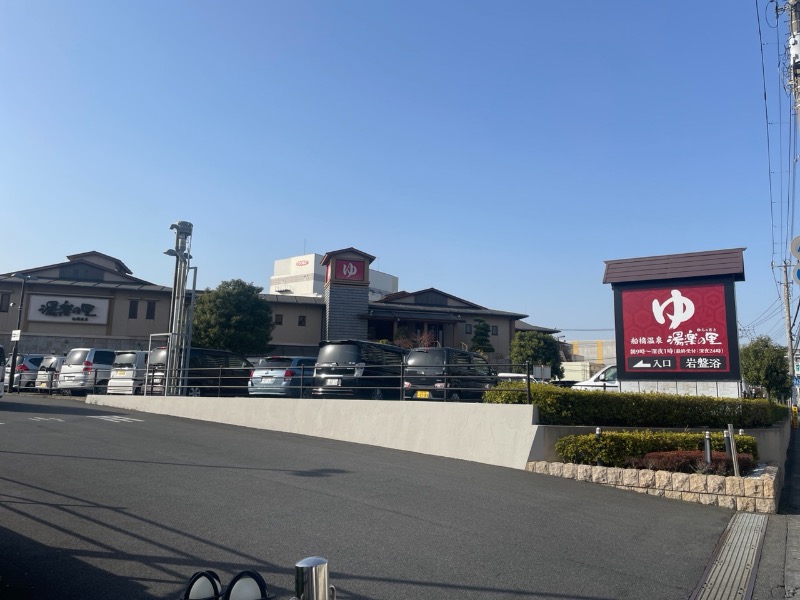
x=497 y=150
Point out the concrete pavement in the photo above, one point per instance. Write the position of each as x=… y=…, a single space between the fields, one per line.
x=778 y=574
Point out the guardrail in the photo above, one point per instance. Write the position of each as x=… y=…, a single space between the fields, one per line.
x=377 y=382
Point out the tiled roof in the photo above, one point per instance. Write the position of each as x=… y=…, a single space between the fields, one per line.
x=713 y=263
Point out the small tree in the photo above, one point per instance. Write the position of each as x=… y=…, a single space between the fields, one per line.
x=233 y=317
x=766 y=364
x=480 y=337
x=536 y=348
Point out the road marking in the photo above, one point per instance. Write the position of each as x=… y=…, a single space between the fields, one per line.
x=116 y=419
x=45 y=419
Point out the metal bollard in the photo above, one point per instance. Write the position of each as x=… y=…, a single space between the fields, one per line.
x=727 y=437
x=708 y=447
x=311 y=580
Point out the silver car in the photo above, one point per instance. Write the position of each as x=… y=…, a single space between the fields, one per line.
x=26 y=369
x=47 y=376
x=287 y=376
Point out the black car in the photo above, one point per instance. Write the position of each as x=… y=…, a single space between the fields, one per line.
x=358 y=369
x=447 y=374
x=208 y=373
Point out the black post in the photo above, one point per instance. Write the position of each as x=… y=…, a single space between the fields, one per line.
x=528 y=381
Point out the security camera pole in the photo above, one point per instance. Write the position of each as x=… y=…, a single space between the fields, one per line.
x=177 y=359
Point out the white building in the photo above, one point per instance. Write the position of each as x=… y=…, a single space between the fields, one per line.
x=305 y=276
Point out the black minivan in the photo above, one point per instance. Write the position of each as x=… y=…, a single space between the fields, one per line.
x=447 y=374
x=359 y=369
x=209 y=373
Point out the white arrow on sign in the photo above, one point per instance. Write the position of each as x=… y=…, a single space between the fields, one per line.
x=642 y=365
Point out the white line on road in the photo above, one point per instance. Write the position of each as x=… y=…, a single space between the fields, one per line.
x=115 y=419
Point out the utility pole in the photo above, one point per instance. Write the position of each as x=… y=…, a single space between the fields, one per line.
x=788 y=316
x=793 y=75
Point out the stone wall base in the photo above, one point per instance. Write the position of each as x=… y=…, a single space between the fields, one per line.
x=756 y=493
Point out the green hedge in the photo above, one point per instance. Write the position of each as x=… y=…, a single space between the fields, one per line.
x=613 y=448
x=566 y=406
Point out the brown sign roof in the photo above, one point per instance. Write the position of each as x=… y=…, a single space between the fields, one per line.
x=713 y=263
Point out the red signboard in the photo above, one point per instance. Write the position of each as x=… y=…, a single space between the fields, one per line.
x=349 y=270
x=680 y=329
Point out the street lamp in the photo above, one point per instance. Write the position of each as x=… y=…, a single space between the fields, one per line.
x=16 y=333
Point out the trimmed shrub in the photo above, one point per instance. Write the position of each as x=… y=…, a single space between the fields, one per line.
x=615 y=448
x=566 y=406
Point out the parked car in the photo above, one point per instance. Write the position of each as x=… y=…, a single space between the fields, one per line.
x=86 y=370
x=289 y=376
x=3 y=371
x=447 y=374
x=47 y=376
x=128 y=372
x=602 y=380
x=26 y=368
x=358 y=369
x=209 y=373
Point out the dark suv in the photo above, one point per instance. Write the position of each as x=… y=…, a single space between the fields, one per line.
x=447 y=374
x=359 y=369
x=209 y=373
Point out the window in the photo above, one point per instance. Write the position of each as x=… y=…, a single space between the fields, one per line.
x=151 y=310
x=494 y=329
x=5 y=301
x=468 y=328
x=133 y=309
x=278 y=319
x=301 y=321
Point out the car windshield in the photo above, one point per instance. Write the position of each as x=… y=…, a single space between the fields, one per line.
x=423 y=358
x=158 y=357
x=125 y=359
x=76 y=357
x=341 y=354
x=49 y=363
x=274 y=363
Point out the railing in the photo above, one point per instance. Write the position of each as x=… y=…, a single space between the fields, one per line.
x=377 y=382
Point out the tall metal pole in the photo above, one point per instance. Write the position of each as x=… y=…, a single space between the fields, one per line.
x=176 y=351
x=13 y=364
x=788 y=317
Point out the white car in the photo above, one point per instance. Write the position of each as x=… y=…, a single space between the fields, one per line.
x=603 y=380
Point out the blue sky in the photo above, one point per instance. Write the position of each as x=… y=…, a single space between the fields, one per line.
x=498 y=151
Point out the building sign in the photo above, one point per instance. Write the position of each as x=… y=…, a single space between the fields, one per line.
x=68 y=309
x=349 y=270
x=678 y=332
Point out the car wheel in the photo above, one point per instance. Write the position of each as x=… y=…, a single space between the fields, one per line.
x=306 y=393
x=101 y=388
x=454 y=396
x=193 y=391
x=377 y=394
x=137 y=391
x=29 y=384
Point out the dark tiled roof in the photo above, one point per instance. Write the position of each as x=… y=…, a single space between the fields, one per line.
x=714 y=263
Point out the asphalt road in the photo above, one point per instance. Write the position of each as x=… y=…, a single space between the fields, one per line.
x=99 y=503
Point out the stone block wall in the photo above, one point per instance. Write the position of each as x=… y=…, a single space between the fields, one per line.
x=757 y=494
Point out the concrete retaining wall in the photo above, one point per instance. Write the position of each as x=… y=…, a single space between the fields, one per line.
x=497 y=434
x=494 y=434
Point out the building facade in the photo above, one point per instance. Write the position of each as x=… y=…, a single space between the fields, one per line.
x=91 y=300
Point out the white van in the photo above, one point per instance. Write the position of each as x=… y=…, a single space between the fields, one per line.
x=605 y=380
x=85 y=371
x=128 y=371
